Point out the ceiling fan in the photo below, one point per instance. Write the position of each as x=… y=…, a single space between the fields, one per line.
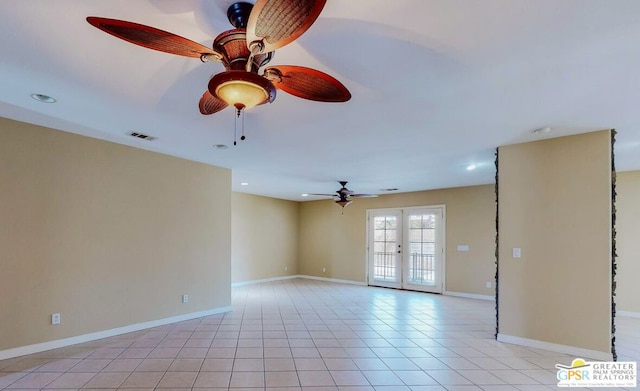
x=343 y=195
x=259 y=30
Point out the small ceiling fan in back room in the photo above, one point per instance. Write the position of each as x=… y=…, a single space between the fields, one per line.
x=343 y=196
x=259 y=30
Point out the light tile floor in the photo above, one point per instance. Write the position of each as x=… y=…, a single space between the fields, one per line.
x=310 y=335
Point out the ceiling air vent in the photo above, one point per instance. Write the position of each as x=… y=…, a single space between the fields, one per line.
x=142 y=136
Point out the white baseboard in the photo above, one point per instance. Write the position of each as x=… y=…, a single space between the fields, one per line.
x=336 y=280
x=61 y=343
x=250 y=282
x=628 y=314
x=470 y=295
x=570 y=350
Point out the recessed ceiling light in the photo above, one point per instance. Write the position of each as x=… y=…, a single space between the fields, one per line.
x=544 y=130
x=43 y=98
x=305 y=195
x=244 y=183
x=220 y=146
x=471 y=167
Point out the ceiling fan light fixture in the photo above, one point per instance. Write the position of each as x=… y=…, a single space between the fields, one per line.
x=343 y=203
x=242 y=89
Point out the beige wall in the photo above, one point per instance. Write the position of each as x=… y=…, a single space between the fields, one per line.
x=628 y=245
x=337 y=242
x=264 y=237
x=110 y=236
x=105 y=234
x=555 y=205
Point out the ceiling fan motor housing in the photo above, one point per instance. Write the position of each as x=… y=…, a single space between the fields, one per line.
x=232 y=45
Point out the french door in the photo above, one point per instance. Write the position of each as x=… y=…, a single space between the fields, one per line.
x=405 y=248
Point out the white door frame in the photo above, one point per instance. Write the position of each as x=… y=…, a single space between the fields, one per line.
x=403 y=210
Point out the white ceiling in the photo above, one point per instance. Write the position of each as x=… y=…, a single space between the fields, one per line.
x=436 y=85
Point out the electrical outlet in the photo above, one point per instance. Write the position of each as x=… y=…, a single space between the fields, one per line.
x=185 y=298
x=488 y=284
x=324 y=269
x=286 y=268
x=55 y=318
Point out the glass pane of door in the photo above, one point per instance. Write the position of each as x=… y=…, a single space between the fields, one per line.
x=385 y=242
x=423 y=251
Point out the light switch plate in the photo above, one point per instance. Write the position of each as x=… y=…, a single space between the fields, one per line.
x=517 y=252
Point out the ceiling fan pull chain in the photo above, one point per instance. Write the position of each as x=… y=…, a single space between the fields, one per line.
x=239 y=118
x=235 y=127
x=242 y=137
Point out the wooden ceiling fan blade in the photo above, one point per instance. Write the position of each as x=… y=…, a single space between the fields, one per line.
x=307 y=83
x=209 y=104
x=277 y=23
x=151 y=37
x=364 y=195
